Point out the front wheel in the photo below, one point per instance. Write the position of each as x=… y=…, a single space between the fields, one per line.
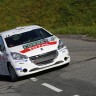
x=12 y=73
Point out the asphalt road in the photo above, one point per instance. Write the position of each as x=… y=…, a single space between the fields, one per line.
x=77 y=79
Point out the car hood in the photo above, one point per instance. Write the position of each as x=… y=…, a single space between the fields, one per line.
x=42 y=47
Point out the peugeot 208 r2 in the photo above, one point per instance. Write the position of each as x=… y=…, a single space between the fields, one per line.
x=30 y=49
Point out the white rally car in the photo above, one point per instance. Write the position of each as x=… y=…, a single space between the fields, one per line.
x=30 y=49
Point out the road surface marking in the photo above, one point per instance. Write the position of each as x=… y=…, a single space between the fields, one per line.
x=76 y=95
x=52 y=87
x=33 y=79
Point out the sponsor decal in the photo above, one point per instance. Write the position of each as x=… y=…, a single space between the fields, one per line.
x=18 y=61
x=28 y=45
x=38 y=46
x=19 y=68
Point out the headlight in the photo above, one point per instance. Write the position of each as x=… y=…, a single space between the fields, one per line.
x=61 y=44
x=18 y=56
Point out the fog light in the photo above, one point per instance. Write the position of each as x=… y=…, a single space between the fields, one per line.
x=65 y=58
x=24 y=70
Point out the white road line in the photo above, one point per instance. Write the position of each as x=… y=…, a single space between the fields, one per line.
x=52 y=87
x=76 y=95
x=33 y=79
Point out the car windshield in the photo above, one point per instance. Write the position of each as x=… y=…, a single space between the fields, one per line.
x=26 y=37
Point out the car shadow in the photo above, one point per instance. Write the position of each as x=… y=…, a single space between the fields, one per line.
x=7 y=78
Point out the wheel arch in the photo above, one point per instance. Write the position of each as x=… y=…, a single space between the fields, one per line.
x=14 y=77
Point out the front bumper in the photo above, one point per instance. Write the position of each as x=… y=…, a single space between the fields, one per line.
x=27 y=67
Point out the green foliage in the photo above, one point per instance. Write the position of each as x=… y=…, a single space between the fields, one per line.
x=72 y=16
x=84 y=30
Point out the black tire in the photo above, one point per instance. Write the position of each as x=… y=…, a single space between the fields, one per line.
x=12 y=73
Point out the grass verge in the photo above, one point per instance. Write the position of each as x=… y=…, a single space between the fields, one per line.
x=76 y=30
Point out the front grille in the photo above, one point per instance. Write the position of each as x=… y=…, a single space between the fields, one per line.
x=45 y=58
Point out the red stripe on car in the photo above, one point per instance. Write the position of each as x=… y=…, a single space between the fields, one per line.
x=38 y=46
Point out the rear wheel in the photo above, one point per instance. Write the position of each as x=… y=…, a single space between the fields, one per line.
x=12 y=73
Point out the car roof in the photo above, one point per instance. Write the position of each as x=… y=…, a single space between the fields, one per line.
x=18 y=30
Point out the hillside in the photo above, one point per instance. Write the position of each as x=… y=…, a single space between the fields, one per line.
x=63 y=16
